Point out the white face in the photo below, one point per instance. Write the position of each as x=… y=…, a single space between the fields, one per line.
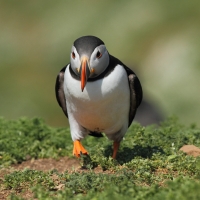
x=97 y=61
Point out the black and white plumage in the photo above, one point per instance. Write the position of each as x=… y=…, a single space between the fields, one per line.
x=97 y=93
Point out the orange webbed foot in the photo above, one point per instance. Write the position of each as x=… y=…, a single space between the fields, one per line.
x=115 y=149
x=79 y=149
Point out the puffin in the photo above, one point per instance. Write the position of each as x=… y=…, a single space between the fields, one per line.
x=97 y=93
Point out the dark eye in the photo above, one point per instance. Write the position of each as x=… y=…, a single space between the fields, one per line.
x=73 y=55
x=98 y=54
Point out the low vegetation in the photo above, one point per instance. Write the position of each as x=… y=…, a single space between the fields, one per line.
x=149 y=164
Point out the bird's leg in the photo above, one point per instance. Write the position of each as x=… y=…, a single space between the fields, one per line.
x=79 y=149
x=115 y=149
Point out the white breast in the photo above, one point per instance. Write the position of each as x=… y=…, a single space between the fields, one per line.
x=103 y=105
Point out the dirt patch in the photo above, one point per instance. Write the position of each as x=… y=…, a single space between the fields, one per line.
x=191 y=150
x=61 y=165
x=46 y=164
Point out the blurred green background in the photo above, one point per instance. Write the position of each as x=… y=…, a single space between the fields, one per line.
x=160 y=40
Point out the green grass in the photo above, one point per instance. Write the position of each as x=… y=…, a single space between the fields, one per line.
x=31 y=138
x=149 y=164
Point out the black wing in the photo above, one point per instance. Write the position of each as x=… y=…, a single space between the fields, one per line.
x=135 y=85
x=136 y=93
x=60 y=95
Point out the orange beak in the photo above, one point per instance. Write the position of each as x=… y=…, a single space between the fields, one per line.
x=85 y=72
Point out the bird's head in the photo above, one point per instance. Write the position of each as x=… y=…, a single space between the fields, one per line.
x=89 y=58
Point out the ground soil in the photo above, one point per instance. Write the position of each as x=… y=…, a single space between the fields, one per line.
x=191 y=150
x=61 y=165
x=46 y=164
